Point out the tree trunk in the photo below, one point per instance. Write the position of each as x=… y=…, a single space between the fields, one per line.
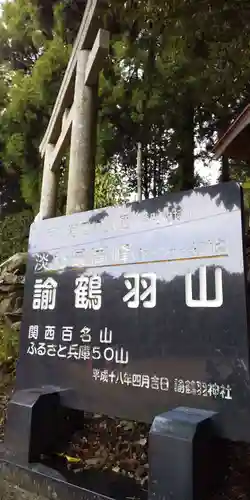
x=155 y=179
x=139 y=171
x=187 y=148
x=225 y=169
x=145 y=177
x=159 y=183
x=145 y=129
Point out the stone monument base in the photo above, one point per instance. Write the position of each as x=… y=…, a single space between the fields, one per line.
x=182 y=452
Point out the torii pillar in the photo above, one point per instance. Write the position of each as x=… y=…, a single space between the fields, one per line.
x=81 y=178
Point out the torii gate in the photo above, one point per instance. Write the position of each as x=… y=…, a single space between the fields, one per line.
x=74 y=120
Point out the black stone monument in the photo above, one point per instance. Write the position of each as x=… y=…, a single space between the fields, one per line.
x=138 y=312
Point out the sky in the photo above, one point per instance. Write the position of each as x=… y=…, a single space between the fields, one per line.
x=210 y=173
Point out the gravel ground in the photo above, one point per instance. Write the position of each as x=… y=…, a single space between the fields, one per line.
x=120 y=447
x=10 y=492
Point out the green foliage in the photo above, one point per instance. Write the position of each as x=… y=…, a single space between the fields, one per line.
x=187 y=71
x=109 y=189
x=9 y=343
x=20 y=36
x=30 y=103
x=177 y=71
x=14 y=230
x=31 y=96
